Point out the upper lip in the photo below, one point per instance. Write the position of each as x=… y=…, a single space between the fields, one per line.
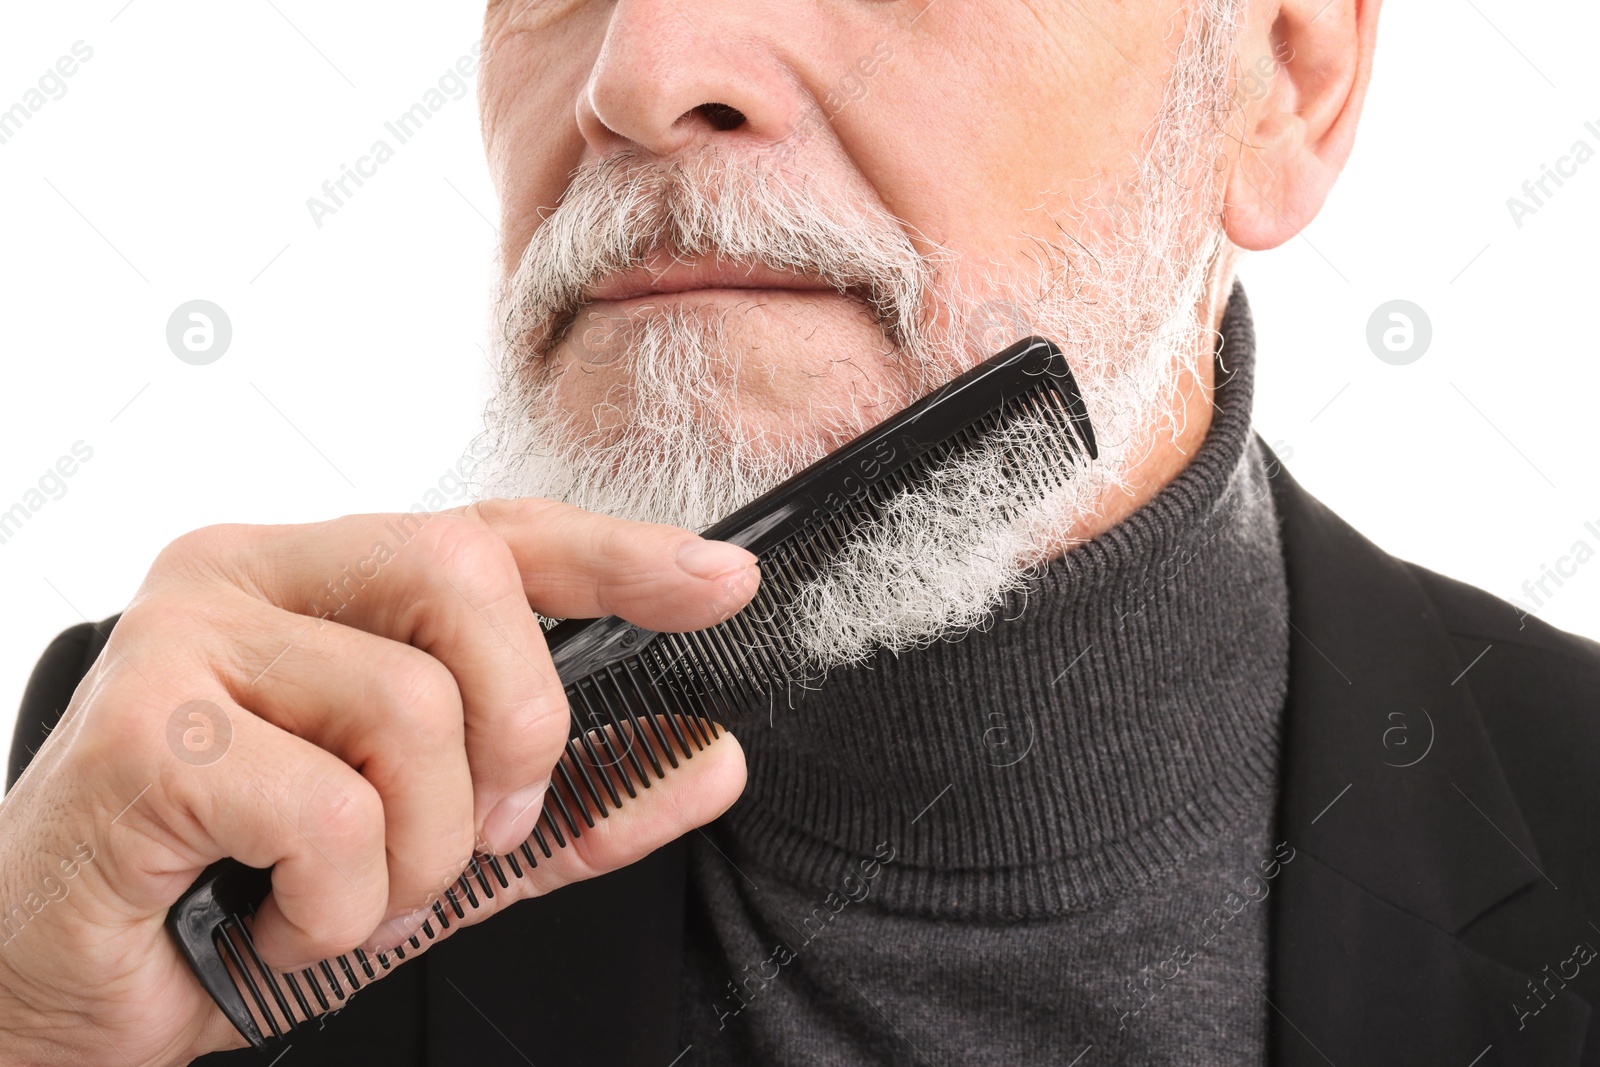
x=657 y=275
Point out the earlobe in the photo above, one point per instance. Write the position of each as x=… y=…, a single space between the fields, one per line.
x=1302 y=72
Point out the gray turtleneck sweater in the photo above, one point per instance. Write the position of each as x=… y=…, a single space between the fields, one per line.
x=1048 y=842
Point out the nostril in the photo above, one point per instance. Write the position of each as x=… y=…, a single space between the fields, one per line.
x=722 y=116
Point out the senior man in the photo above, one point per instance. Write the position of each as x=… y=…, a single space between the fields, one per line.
x=1207 y=779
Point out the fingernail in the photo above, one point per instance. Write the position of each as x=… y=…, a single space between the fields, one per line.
x=713 y=559
x=511 y=821
x=736 y=593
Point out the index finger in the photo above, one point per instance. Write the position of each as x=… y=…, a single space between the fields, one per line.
x=581 y=564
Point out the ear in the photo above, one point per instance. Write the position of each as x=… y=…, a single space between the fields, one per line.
x=1303 y=71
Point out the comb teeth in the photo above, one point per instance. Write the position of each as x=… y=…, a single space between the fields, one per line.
x=641 y=701
x=611 y=758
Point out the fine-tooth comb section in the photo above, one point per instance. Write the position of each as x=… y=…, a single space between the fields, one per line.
x=643 y=701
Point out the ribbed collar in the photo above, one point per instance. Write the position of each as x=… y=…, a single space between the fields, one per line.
x=1117 y=714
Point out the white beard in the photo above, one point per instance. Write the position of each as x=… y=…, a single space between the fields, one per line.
x=683 y=451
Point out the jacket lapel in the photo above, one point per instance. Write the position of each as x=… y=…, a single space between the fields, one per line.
x=1404 y=828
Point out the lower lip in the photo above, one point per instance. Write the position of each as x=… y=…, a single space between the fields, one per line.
x=716 y=294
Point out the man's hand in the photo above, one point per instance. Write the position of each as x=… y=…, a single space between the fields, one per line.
x=356 y=704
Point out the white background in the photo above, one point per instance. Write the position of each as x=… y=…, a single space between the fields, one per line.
x=178 y=164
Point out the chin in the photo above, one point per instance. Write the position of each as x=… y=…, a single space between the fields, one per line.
x=779 y=372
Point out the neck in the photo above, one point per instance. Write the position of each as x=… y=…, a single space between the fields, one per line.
x=1170 y=447
x=1116 y=715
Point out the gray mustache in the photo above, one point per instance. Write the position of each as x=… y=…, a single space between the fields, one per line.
x=619 y=210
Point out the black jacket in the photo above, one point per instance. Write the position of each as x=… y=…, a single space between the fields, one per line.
x=1440 y=785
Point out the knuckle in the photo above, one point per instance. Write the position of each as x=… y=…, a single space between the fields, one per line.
x=197 y=549
x=501 y=511
x=417 y=689
x=627 y=562
x=345 y=813
x=122 y=731
x=619 y=543
x=166 y=631
x=535 y=728
x=471 y=555
x=153 y=616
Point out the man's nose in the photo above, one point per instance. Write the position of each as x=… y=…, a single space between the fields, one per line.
x=672 y=76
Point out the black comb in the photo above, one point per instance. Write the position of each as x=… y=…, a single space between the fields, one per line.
x=643 y=700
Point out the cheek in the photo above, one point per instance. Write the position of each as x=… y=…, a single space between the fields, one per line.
x=530 y=89
x=1034 y=106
